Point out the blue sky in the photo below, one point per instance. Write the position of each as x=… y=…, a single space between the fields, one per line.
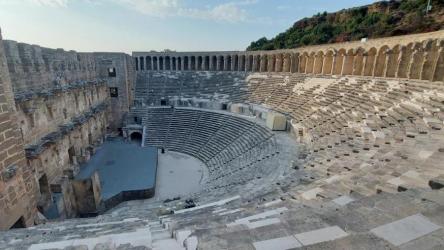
x=142 y=25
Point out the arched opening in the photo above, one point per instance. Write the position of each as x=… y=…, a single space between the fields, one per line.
x=179 y=63
x=310 y=63
x=404 y=61
x=264 y=63
x=149 y=65
x=392 y=63
x=206 y=63
x=45 y=194
x=199 y=63
x=369 y=61
x=242 y=63
x=439 y=68
x=220 y=65
x=279 y=63
x=294 y=62
x=328 y=63
x=347 y=68
x=339 y=61
x=161 y=66
x=287 y=63
x=319 y=60
x=142 y=64
x=380 y=64
x=431 y=56
x=185 y=63
x=235 y=63
x=228 y=66
x=303 y=62
x=173 y=63
x=167 y=63
x=250 y=63
x=192 y=65
x=213 y=65
x=155 y=63
x=136 y=137
x=136 y=61
x=271 y=63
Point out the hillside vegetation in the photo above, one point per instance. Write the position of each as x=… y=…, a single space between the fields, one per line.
x=381 y=19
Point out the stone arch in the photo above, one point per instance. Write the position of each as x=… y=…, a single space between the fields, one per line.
x=294 y=62
x=173 y=64
x=279 y=62
x=199 y=65
x=213 y=64
x=228 y=63
x=417 y=61
x=369 y=61
x=318 y=62
x=430 y=59
x=192 y=64
x=242 y=63
x=206 y=63
x=142 y=63
x=271 y=62
x=339 y=61
x=347 y=67
x=358 y=62
x=185 y=63
x=221 y=63
x=167 y=63
x=249 y=63
x=392 y=61
x=328 y=62
x=404 y=61
x=381 y=62
x=136 y=61
x=287 y=63
x=310 y=63
x=155 y=64
x=149 y=64
x=235 y=63
x=303 y=62
x=439 y=67
x=179 y=63
x=256 y=63
x=161 y=63
x=264 y=63
x=136 y=137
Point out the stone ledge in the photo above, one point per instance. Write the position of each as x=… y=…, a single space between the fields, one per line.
x=33 y=150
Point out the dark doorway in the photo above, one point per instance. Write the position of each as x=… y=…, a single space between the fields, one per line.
x=163 y=102
x=20 y=223
x=136 y=137
x=224 y=106
x=71 y=154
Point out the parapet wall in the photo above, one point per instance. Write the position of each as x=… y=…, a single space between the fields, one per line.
x=419 y=56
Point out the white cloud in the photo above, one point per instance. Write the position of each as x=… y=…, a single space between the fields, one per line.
x=48 y=3
x=226 y=12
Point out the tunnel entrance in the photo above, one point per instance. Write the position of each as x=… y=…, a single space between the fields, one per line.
x=20 y=223
x=136 y=137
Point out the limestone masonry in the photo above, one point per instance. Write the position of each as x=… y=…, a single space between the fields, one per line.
x=337 y=146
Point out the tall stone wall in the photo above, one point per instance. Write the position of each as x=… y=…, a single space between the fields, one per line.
x=62 y=108
x=122 y=80
x=419 y=56
x=17 y=183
